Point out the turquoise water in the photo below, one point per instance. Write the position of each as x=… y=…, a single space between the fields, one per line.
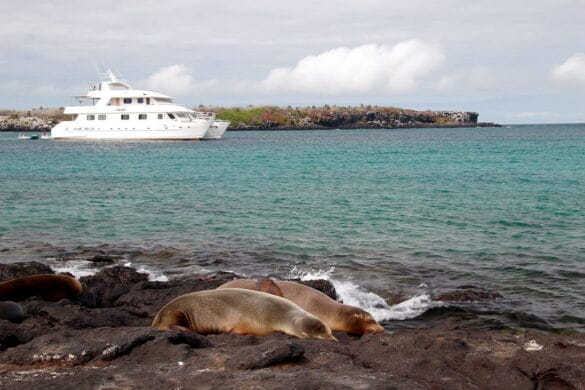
x=392 y=210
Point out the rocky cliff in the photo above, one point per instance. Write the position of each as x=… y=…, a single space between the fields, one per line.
x=40 y=119
x=326 y=117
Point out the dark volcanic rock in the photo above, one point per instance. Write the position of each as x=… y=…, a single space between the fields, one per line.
x=73 y=347
x=126 y=345
x=72 y=315
x=103 y=288
x=18 y=270
x=191 y=339
x=104 y=259
x=96 y=256
x=267 y=354
x=12 y=335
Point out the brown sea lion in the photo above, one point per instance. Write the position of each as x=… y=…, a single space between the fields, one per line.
x=48 y=287
x=11 y=311
x=336 y=315
x=240 y=311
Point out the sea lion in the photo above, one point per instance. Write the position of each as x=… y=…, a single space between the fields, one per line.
x=240 y=311
x=11 y=311
x=336 y=315
x=48 y=287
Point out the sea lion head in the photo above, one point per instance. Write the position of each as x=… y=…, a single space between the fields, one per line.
x=60 y=287
x=312 y=327
x=359 y=321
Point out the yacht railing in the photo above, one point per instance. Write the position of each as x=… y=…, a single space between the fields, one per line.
x=202 y=115
x=83 y=101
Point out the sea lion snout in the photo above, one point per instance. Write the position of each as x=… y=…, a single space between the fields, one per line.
x=359 y=321
x=374 y=328
x=312 y=327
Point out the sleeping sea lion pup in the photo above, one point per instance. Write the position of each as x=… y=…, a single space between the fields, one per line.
x=11 y=311
x=336 y=315
x=48 y=287
x=240 y=311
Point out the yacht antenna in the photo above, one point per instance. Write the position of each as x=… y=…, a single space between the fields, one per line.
x=111 y=75
x=97 y=70
x=120 y=75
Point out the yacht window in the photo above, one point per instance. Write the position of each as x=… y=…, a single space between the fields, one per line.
x=160 y=116
x=102 y=117
x=163 y=100
x=181 y=115
x=147 y=100
x=125 y=117
x=91 y=117
x=127 y=100
x=141 y=116
x=140 y=100
x=171 y=116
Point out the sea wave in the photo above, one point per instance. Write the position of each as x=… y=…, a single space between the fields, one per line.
x=353 y=294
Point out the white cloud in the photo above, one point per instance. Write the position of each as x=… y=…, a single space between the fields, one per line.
x=360 y=70
x=176 y=80
x=573 y=69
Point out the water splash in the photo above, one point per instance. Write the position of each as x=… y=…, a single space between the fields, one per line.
x=77 y=268
x=353 y=294
x=312 y=274
x=153 y=275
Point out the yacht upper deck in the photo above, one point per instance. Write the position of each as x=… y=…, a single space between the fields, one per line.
x=116 y=95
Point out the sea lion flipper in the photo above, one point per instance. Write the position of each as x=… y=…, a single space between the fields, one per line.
x=180 y=328
x=268 y=286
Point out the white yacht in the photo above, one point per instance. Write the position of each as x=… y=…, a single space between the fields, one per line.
x=116 y=111
x=216 y=129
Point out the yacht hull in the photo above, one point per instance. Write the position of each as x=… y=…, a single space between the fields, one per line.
x=216 y=130
x=185 y=131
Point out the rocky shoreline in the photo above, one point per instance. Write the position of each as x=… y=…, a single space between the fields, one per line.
x=365 y=127
x=338 y=117
x=103 y=340
x=26 y=124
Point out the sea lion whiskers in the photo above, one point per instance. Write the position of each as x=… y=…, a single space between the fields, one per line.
x=358 y=320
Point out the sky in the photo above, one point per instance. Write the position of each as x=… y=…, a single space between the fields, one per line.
x=512 y=61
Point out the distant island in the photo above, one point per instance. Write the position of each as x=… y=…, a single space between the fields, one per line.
x=338 y=117
x=280 y=118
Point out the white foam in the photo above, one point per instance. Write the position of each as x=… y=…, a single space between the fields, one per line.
x=312 y=274
x=81 y=268
x=77 y=268
x=153 y=275
x=352 y=294
x=532 y=346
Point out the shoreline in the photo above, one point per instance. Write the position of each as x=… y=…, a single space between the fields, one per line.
x=104 y=339
x=283 y=118
x=414 y=126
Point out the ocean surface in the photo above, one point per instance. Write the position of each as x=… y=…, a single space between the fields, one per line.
x=381 y=213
